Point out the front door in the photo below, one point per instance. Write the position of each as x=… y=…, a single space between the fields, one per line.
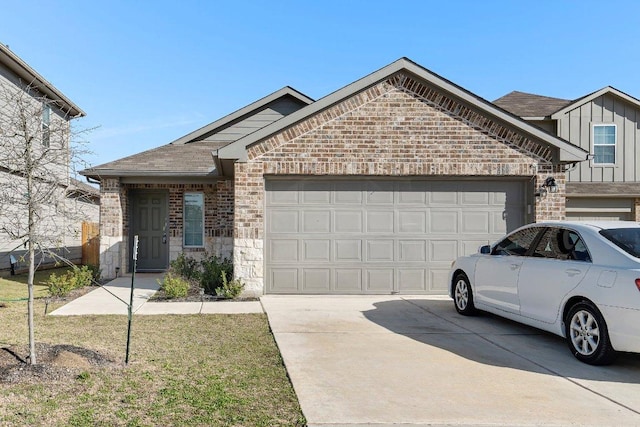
x=149 y=221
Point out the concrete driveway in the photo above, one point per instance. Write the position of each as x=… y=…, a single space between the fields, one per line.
x=390 y=360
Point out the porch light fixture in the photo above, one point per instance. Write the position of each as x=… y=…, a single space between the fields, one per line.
x=549 y=186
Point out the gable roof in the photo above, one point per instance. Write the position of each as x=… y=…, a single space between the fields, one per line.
x=244 y=112
x=590 y=97
x=530 y=106
x=30 y=76
x=238 y=149
x=190 y=155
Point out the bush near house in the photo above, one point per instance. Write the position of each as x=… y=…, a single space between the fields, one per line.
x=210 y=275
x=61 y=285
x=212 y=269
x=174 y=286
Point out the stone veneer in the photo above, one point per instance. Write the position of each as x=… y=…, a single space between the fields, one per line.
x=114 y=222
x=399 y=127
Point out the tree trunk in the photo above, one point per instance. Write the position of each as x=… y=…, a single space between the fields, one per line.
x=32 y=341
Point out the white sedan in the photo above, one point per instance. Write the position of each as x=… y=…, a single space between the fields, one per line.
x=579 y=280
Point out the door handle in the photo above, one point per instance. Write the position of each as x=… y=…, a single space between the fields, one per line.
x=573 y=272
x=515 y=266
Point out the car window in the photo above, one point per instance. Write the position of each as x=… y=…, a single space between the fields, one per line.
x=628 y=239
x=517 y=243
x=562 y=244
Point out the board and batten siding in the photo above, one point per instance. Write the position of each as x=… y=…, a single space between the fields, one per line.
x=273 y=112
x=576 y=126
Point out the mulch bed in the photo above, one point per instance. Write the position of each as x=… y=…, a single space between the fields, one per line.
x=54 y=363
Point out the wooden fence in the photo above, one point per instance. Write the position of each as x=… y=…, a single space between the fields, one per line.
x=90 y=243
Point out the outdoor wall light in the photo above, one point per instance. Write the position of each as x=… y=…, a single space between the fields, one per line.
x=549 y=186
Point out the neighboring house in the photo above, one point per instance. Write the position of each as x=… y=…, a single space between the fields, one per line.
x=22 y=85
x=605 y=123
x=373 y=189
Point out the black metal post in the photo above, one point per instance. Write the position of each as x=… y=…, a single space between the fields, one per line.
x=133 y=277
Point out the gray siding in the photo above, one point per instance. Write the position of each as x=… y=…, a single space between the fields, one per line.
x=576 y=127
x=273 y=112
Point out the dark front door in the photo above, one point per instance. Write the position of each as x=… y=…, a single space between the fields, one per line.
x=149 y=221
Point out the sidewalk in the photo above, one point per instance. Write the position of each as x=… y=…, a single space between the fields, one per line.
x=100 y=301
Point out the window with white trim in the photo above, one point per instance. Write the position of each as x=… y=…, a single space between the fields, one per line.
x=604 y=144
x=46 y=121
x=193 y=220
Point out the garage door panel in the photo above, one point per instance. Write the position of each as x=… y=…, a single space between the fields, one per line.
x=348 y=250
x=380 y=280
x=443 y=222
x=283 y=192
x=474 y=198
x=283 y=221
x=348 y=279
x=380 y=193
x=380 y=237
x=498 y=223
x=379 y=250
x=438 y=280
x=316 y=193
x=412 y=250
x=347 y=193
x=316 y=221
x=412 y=222
x=379 y=221
x=412 y=193
x=284 y=280
x=412 y=279
x=316 y=279
x=283 y=250
x=475 y=222
x=349 y=222
x=316 y=250
x=443 y=250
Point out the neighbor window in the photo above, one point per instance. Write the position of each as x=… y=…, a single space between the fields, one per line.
x=46 y=120
x=604 y=144
x=193 y=219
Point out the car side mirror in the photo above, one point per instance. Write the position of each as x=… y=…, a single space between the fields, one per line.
x=486 y=249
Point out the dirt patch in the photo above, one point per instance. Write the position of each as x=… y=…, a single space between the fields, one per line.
x=54 y=363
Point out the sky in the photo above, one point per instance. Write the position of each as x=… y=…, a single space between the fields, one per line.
x=148 y=72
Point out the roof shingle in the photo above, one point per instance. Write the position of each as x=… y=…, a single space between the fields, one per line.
x=530 y=105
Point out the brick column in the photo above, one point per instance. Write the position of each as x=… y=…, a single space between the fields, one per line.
x=112 y=238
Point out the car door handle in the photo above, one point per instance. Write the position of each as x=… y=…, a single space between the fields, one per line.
x=572 y=272
x=515 y=266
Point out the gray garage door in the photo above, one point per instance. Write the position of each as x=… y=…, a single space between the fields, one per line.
x=380 y=237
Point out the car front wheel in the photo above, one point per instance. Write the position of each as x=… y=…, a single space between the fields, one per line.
x=587 y=335
x=463 y=296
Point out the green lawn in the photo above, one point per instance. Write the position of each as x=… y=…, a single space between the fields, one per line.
x=200 y=370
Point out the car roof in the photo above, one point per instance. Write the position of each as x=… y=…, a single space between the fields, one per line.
x=593 y=225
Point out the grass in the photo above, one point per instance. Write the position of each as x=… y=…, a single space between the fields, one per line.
x=217 y=370
x=13 y=287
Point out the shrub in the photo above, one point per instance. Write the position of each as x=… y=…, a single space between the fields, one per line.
x=60 y=286
x=174 y=286
x=211 y=275
x=229 y=289
x=186 y=267
x=96 y=272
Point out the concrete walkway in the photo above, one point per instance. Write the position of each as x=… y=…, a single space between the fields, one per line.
x=104 y=300
x=413 y=361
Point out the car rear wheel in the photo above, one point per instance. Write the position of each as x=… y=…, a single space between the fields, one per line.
x=587 y=335
x=463 y=296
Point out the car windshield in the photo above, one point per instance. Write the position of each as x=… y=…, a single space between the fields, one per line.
x=628 y=239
